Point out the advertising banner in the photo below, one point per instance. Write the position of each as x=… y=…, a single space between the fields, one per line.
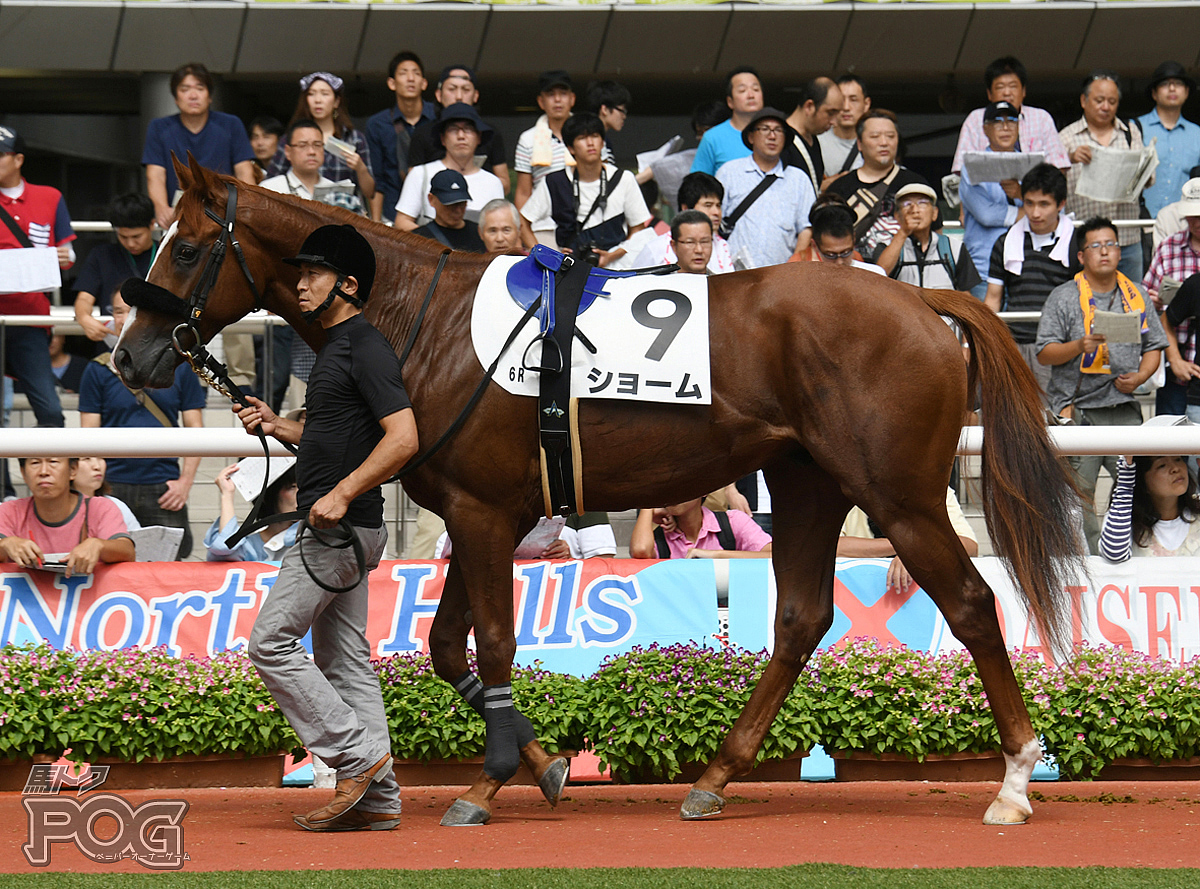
x=571 y=614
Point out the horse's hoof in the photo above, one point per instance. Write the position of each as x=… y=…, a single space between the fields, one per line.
x=701 y=804
x=1005 y=811
x=464 y=814
x=554 y=779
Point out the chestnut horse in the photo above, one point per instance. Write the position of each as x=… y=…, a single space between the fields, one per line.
x=842 y=386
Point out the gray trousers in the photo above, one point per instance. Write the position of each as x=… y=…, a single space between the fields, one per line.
x=332 y=700
x=1087 y=466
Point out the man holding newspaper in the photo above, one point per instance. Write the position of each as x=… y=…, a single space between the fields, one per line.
x=1109 y=165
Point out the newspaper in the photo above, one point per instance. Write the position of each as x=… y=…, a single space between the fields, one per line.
x=29 y=269
x=646 y=158
x=997 y=166
x=1117 y=175
x=339 y=148
x=1167 y=289
x=1118 y=327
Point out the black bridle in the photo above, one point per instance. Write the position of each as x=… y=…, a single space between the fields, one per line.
x=205 y=366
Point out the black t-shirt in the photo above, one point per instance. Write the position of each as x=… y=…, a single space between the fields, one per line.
x=1186 y=306
x=106 y=268
x=425 y=148
x=354 y=383
x=862 y=200
x=465 y=238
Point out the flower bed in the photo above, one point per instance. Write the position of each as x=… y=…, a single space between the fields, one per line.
x=429 y=721
x=875 y=699
x=654 y=709
x=1116 y=705
x=648 y=712
x=134 y=705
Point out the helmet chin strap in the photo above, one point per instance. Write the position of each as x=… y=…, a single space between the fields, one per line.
x=313 y=314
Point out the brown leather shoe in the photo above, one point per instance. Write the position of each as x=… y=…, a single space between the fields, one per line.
x=355 y=819
x=349 y=791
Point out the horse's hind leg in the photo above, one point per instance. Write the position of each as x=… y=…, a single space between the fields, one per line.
x=926 y=543
x=807 y=512
x=448 y=644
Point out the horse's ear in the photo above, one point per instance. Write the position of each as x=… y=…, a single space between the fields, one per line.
x=181 y=172
x=198 y=172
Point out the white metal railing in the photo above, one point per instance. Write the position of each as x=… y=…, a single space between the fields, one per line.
x=233 y=442
x=255 y=322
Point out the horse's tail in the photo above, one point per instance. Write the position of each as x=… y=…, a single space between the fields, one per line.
x=1029 y=500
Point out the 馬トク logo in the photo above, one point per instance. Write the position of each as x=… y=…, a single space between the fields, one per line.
x=150 y=834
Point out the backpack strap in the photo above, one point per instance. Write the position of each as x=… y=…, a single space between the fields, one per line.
x=946 y=255
x=725 y=536
x=660 y=543
x=105 y=359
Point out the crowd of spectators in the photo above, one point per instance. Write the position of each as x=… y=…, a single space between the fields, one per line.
x=825 y=182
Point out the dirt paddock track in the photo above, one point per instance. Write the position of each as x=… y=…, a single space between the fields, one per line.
x=884 y=824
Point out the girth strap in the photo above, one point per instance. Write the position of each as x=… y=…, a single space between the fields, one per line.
x=554 y=399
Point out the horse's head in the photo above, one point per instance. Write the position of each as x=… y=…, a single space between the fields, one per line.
x=190 y=272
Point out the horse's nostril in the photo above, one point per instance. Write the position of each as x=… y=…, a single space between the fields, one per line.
x=122 y=360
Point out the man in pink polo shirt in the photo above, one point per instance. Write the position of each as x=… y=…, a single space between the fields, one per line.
x=693 y=531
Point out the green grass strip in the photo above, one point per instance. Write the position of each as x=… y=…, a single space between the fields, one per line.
x=807 y=876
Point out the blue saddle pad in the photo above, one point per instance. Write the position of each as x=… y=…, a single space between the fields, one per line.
x=533 y=276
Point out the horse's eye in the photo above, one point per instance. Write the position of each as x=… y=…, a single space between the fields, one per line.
x=187 y=253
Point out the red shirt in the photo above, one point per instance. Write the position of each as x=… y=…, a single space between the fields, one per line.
x=41 y=213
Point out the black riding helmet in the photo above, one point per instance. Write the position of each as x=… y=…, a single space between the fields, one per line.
x=343 y=249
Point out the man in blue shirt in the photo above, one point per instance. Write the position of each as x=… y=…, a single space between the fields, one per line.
x=991 y=208
x=389 y=132
x=723 y=143
x=1178 y=138
x=217 y=140
x=767 y=231
x=153 y=488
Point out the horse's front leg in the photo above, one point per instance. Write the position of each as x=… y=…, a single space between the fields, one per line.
x=807 y=511
x=448 y=645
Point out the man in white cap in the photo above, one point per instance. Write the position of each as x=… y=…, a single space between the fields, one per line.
x=919 y=255
x=1176 y=259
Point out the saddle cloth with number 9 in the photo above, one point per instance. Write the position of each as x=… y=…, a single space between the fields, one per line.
x=650 y=334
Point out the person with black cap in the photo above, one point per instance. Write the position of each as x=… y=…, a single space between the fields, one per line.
x=459 y=130
x=766 y=202
x=991 y=208
x=1178 y=138
x=450 y=197
x=540 y=149
x=357 y=432
x=456 y=86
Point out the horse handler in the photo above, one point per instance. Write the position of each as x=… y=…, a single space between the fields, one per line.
x=359 y=430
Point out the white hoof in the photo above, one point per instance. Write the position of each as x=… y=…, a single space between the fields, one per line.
x=1004 y=811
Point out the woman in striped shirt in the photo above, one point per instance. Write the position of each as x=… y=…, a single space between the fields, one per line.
x=1153 y=510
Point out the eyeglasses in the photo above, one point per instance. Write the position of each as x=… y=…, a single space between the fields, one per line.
x=915 y=202
x=1102 y=245
x=845 y=254
x=1005 y=120
x=703 y=242
x=769 y=131
x=622 y=110
x=305 y=146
